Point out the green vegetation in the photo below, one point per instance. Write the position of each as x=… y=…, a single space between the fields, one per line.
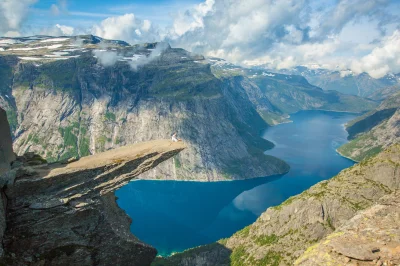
x=12 y=119
x=102 y=140
x=244 y=232
x=273 y=118
x=272 y=258
x=238 y=255
x=70 y=139
x=178 y=82
x=330 y=224
x=69 y=135
x=84 y=147
x=110 y=117
x=360 y=144
x=285 y=203
x=222 y=73
x=266 y=240
x=177 y=162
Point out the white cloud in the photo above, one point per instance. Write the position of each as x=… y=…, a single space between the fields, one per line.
x=61 y=30
x=143 y=60
x=285 y=33
x=12 y=15
x=107 y=58
x=336 y=34
x=60 y=7
x=12 y=34
x=382 y=60
x=128 y=28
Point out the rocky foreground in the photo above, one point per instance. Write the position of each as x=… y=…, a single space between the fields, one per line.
x=66 y=214
x=372 y=237
x=353 y=218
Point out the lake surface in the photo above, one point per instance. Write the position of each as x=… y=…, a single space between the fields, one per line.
x=174 y=215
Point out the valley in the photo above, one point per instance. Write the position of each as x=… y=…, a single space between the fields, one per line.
x=276 y=137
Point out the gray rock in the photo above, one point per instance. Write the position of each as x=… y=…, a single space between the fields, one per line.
x=67 y=214
x=372 y=237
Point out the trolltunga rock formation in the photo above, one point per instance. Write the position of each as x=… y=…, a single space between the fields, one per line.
x=66 y=214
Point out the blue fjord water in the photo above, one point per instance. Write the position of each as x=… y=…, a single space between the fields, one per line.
x=173 y=216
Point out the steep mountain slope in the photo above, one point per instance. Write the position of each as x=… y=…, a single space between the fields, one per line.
x=345 y=81
x=374 y=131
x=282 y=233
x=6 y=151
x=293 y=93
x=6 y=157
x=71 y=97
x=287 y=93
x=372 y=237
x=384 y=93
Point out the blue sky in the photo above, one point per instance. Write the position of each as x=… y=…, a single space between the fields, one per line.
x=87 y=12
x=356 y=35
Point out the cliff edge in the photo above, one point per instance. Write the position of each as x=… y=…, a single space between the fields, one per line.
x=66 y=214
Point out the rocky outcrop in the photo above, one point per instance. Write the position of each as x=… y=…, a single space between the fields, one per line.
x=372 y=237
x=282 y=233
x=6 y=151
x=6 y=157
x=66 y=214
x=374 y=131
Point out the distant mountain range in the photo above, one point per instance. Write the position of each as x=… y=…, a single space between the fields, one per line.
x=345 y=81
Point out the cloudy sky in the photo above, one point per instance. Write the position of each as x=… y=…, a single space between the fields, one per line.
x=361 y=35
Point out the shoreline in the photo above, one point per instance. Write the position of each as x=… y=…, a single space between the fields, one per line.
x=211 y=181
x=344 y=156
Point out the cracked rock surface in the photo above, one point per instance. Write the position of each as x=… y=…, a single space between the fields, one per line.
x=66 y=214
x=372 y=237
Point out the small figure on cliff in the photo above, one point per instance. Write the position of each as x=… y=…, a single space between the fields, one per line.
x=174 y=138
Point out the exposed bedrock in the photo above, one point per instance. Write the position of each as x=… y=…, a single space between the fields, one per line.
x=67 y=215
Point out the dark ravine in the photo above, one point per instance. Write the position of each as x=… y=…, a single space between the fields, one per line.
x=283 y=233
x=66 y=214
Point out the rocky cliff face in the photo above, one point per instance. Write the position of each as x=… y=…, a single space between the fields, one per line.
x=6 y=151
x=61 y=214
x=374 y=131
x=283 y=233
x=372 y=237
x=69 y=101
x=6 y=157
